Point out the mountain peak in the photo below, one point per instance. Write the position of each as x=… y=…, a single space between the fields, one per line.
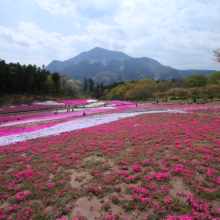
x=96 y=53
x=97 y=49
x=101 y=53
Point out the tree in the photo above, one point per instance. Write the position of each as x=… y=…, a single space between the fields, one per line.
x=28 y=74
x=209 y=90
x=15 y=78
x=73 y=88
x=182 y=92
x=172 y=92
x=3 y=67
x=146 y=81
x=101 y=89
x=36 y=79
x=180 y=83
x=118 y=93
x=64 y=77
x=144 y=88
x=212 y=89
x=213 y=79
x=160 y=94
x=77 y=82
x=12 y=69
x=97 y=94
x=127 y=82
x=85 y=85
x=105 y=92
x=48 y=85
x=197 y=80
x=42 y=78
x=108 y=96
x=217 y=55
x=56 y=77
x=194 y=91
x=91 y=84
x=19 y=76
x=164 y=86
x=144 y=91
x=130 y=95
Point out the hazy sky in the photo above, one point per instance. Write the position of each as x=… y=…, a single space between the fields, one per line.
x=178 y=33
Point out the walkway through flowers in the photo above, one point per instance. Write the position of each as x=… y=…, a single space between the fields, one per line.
x=74 y=124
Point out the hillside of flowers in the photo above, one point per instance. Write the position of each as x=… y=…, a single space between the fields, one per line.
x=144 y=166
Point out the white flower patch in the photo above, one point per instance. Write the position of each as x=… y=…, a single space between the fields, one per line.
x=49 y=103
x=72 y=125
x=84 y=109
x=92 y=100
x=95 y=104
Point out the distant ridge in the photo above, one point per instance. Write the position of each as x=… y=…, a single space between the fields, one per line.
x=105 y=66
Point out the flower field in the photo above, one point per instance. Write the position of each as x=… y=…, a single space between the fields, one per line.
x=14 y=117
x=130 y=165
x=29 y=107
x=56 y=128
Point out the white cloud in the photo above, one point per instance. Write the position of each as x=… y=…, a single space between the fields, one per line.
x=97 y=8
x=109 y=37
x=77 y=25
x=200 y=15
x=84 y=8
x=173 y=32
x=9 y=37
x=63 y=7
x=106 y=32
x=37 y=46
x=179 y=33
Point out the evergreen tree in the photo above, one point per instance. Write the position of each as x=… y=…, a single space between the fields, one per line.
x=97 y=94
x=91 y=84
x=3 y=67
x=85 y=85
x=56 y=77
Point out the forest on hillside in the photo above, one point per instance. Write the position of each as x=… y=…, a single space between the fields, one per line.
x=32 y=80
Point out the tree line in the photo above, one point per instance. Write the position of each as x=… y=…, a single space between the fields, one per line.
x=33 y=80
x=15 y=78
x=195 y=85
x=97 y=91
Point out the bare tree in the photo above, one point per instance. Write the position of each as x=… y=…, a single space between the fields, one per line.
x=217 y=55
x=172 y=92
x=182 y=92
x=73 y=88
x=195 y=91
x=64 y=77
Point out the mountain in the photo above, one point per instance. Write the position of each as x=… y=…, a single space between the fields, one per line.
x=105 y=66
